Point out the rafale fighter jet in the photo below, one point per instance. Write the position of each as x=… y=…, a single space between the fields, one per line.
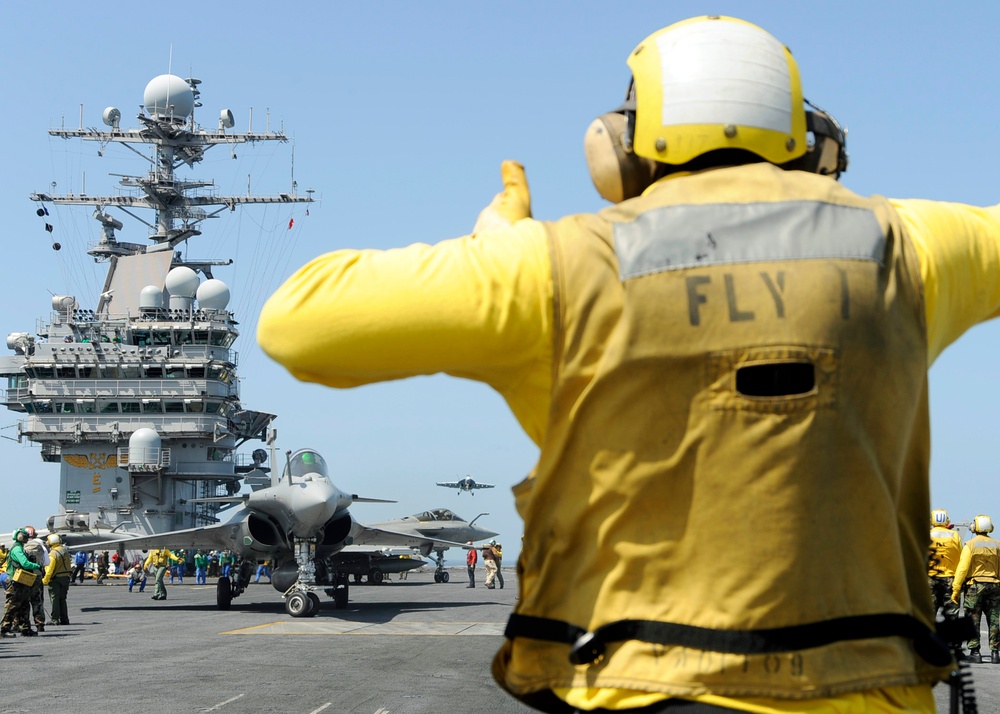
x=300 y=522
x=428 y=531
x=465 y=484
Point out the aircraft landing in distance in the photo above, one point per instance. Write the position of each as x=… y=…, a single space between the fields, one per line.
x=465 y=484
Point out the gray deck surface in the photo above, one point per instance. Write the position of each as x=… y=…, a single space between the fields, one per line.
x=403 y=647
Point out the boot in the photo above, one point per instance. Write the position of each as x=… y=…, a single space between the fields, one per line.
x=994 y=656
x=973 y=656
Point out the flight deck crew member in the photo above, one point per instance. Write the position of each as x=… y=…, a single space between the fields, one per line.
x=490 y=564
x=37 y=551
x=945 y=550
x=678 y=357
x=57 y=576
x=17 y=607
x=979 y=567
x=471 y=558
x=79 y=566
x=160 y=559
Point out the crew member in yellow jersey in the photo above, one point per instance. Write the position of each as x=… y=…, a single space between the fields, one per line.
x=978 y=571
x=946 y=547
x=705 y=346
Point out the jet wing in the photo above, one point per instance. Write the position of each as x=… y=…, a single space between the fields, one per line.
x=384 y=537
x=483 y=485
x=218 y=536
x=449 y=484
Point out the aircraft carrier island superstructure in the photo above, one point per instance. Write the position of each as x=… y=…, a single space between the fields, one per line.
x=136 y=395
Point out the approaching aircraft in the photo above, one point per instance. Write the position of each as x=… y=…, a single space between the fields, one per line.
x=465 y=484
x=427 y=531
x=300 y=522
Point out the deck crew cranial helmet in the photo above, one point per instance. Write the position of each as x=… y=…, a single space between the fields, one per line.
x=982 y=525
x=939 y=517
x=703 y=85
x=20 y=535
x=54 y=539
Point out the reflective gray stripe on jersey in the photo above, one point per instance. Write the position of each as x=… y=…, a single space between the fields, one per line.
x=675 y=237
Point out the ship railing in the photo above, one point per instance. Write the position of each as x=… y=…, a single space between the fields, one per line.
x=143 y=458
x=124 y=389
x=78 y=427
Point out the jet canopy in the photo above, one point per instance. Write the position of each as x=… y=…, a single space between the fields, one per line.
x=438 y=514
x=305 y=463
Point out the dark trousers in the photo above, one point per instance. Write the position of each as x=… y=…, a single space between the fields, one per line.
x=58 y=589
x=17 y=608
x=472 y=574
x=37 y=599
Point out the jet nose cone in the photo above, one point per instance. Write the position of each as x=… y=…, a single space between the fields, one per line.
x=313 y=503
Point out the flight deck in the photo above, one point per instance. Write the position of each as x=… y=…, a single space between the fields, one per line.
x=408 y=646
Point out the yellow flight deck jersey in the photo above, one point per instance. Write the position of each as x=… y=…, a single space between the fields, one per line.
x=979 y=563
x=498 y=307
x=946 y=547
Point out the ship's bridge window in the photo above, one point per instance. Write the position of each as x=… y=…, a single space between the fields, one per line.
x=42 y=406
x=86 y=406
x=17 y=381
x=89 y=371
x=201 y=337
x=173 y=371
x=109 y=408
x=222 y=339
x=111 y=371
x=141 y=337
x=194 y=405
x=161 y=337
x=213 y=407
x=152 y=406
x=195 y=371
x=66 y=371
x=153 y=371
x=183 y=337
x=130 y=408
x=220 y=373
x=173 y=407
x=129 y=371
x=65 y=408
x=41 y=371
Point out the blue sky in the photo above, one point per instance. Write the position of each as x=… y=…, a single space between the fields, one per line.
x=401 y=114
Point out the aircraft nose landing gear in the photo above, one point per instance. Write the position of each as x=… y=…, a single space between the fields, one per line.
x=440 y=574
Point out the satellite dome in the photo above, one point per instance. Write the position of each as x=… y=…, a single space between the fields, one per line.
x=168 y=96
x=213 y=295
x=150 y=298
x=144 y=446
x=182 y=282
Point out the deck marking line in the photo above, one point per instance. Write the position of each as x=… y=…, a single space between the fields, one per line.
x=317 y=711
x=228 y=701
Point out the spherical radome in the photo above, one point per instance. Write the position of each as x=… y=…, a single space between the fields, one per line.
x=144 y=446
x=151 y=297
x=182 y=282
x=213 y=295
x=168 y=95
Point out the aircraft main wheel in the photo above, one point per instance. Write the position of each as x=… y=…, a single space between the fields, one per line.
x=314 y=599
x=375 y=576
x=437 y=577
x=298 y=604
x=340 y=596
x=223 y=593
x=444 y=576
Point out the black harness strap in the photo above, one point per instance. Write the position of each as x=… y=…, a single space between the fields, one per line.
x=589 y=647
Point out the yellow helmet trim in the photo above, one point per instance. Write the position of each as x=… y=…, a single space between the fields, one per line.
x=711 y=83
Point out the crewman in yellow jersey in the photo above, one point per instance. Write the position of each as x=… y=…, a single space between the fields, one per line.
x=739 y=331
x=978 y=571
x=942 y=559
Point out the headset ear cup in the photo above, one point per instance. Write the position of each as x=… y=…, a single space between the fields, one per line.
x=617 y=174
